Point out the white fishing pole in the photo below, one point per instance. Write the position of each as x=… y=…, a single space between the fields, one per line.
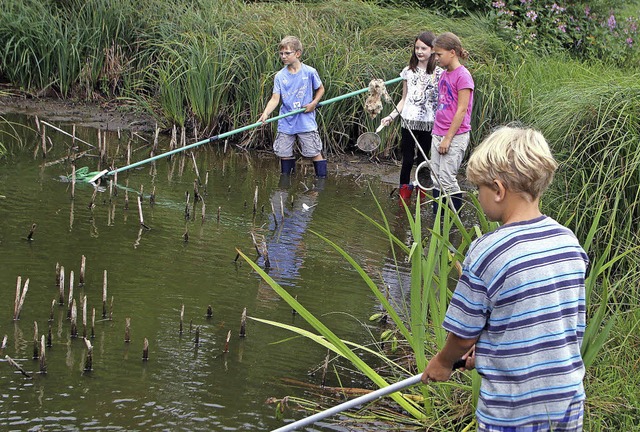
x=351 y=404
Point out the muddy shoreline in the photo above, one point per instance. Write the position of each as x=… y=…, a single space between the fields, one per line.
x=108 y=116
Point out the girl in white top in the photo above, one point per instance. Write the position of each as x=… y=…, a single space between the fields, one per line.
x=417 y=108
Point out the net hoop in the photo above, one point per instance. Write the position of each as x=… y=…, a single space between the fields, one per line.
x=425 y=169
x=368 y=142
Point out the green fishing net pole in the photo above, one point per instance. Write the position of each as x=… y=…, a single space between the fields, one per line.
x=84 y=175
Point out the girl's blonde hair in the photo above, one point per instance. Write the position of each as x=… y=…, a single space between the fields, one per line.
x=519 y=157
x=291 y=42
x=449 y=41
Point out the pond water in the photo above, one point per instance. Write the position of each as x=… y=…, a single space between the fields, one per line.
x=153 y=273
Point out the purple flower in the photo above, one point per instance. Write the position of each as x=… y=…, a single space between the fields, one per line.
x=611 y=22
x=587 y=11
x=532 y=15
x=562 y=28
x=629 y=42
x=498 y=4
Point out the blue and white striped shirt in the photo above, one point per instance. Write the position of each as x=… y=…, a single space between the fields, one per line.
x=522 y=295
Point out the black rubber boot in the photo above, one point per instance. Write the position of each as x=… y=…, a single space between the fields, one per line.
x=456 y=200
x=436 y=195
x=287 y=166
x=321 y=168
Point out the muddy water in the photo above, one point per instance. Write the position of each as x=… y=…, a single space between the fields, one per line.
x=152 y=273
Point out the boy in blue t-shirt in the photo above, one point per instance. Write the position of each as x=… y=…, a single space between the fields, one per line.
x=518 y=312
x=297 y=85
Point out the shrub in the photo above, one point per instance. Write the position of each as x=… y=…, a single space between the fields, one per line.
x=548 y=27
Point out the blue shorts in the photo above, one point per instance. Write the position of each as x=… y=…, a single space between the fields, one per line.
x=309 y=142
x=571 y=422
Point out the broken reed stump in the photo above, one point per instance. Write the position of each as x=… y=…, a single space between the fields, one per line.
x=111 y=310
x=104 y=295
x=17 y=366
x=181 y=319
x=140 y=214
x=273 y=212
x=209 y=312
x=185 y=236
x=61 y=286
x=93 y=323
x=50 y=336
x=218 y=217
x=282 y=207
x=197 y=336
x=57 y=275
x=260 y=244
x=43 y=357
x=74 y=317
x=187 y=214
x=92 y=203
x=204 y=212
x=33 y=230
x=145 y=350
x=70 y=294
x=53 y=304
x=196 y=192
x=84 y=317
x=4 y=344
x=243 y=323
x=255 y=200
x=226 y=344
x=325 y=366
x=36 y=348
x=20 y=296
x=127 y=330
x=44 y=142
x=88 y=363
x=83 y=265
x=73 y=181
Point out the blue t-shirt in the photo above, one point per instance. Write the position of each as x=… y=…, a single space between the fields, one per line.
x=296 y=91
x=522 y=295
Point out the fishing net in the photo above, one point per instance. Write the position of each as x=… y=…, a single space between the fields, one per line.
x=84 y=175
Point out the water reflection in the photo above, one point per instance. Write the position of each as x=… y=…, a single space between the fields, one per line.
x=285 y=244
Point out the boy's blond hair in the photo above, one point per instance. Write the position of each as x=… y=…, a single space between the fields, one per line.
x=519 y=157
x=291 y=42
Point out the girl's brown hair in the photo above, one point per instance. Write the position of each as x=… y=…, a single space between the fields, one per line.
x=427 y=38
x=449 y=41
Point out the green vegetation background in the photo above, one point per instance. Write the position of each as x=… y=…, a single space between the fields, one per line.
x=209 y=65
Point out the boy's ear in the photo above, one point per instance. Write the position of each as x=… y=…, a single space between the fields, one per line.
x=499 y=190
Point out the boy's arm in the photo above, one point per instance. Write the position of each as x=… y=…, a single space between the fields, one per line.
x=464 y=97
x=316 y=99
x=271 y=105
x=441 y=365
